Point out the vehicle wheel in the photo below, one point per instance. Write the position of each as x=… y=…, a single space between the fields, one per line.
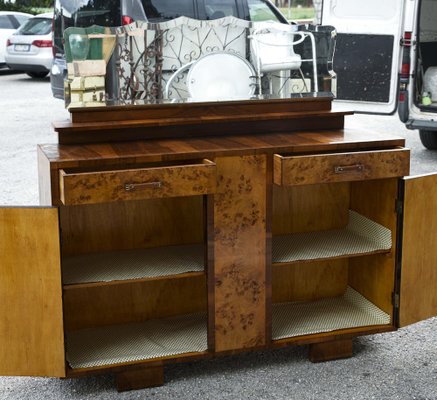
x=428 y=139
x=37 y=74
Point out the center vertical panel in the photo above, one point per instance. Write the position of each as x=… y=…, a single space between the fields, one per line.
x=239 y=237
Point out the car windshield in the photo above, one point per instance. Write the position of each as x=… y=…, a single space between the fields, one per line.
x=83 y=13
x=36 y=26
x=163 y=10
x=220 y=8
x=260 y=10
x=21 y=18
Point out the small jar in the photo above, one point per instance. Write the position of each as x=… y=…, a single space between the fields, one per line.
x=426 y=98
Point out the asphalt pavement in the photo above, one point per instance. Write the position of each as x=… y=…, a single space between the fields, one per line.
x=399 y=365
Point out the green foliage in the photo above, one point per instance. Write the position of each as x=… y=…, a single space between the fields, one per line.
x=35 y=3
x=27 y=6
x=15 y=7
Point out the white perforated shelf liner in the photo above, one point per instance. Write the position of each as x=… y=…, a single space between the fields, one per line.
x=133 y=264
x=361 y=236
x=351 y=310
x=136 y=342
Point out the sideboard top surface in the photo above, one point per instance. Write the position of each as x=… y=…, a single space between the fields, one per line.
x=155 y=150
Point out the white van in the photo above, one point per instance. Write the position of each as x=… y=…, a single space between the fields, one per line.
x=386 y=59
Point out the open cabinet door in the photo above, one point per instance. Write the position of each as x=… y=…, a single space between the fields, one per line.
x=31 y=325
x=367 y=55
x=418 y=287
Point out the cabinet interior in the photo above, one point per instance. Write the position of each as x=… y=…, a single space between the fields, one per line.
x=125 y=301
x=129 y=294
x=324 y=289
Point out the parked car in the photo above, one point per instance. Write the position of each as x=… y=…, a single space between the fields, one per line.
x=386 y=59
x=29 y=49
x=9 y=22
x=122 y=12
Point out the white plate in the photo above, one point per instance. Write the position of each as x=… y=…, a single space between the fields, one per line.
x=219 y=76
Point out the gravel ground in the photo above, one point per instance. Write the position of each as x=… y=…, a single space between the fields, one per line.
x=398 y=365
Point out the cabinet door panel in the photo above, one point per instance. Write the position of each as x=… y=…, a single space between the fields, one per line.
x=418 y=293
x=31 y=333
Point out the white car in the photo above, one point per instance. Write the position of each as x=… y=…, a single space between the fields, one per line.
x=30 y=48
x=9 y=22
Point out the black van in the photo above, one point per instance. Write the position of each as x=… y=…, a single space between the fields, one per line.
x=85 y=13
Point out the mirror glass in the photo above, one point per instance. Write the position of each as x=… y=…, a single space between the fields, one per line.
x=188 y=60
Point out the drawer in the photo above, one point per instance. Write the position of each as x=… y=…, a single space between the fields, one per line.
x=340 y=167
x=136 y=184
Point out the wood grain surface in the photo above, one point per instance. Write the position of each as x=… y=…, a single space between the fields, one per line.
x=106 y=124
x=310 y=208
x=341 y=167
x=131 y=154
x=240 y=253
x=418 y=294
x=31 y=322
x=373 y=276
x=332 y=350
x=199 y=109
x=140 y=378
x=94 y=306
x=135 y=184
x=309 y=281
x=132 y=225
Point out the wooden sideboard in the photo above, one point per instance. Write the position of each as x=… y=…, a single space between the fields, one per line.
x=172 y=233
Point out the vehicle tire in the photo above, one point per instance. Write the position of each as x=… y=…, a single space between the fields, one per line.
x=37 y=74
x=428 y=139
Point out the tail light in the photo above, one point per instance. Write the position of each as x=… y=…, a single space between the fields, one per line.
x=42 y=43
x=404 y=77
x=406 y=40
x=126 y=20
x=405 y=68
x=8 y=43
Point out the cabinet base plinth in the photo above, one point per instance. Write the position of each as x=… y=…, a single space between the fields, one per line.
x=332 y=350
x=140 y=378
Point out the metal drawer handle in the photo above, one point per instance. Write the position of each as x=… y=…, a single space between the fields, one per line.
x=344 y=169
x=130 y=187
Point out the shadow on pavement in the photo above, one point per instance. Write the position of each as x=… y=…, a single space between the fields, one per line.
x=7 y=71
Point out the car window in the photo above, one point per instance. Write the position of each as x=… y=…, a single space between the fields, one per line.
x=220 y=8
x=36 y=26
x=89 y=12
x=5 y=22
x=21 y=18
x=260 y=10
x=83 y=13
x=163 y=10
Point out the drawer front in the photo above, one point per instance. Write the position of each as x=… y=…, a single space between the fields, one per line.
x=340 y=167
x=137 y=184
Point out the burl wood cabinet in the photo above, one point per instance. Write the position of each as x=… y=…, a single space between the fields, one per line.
x=184 y=231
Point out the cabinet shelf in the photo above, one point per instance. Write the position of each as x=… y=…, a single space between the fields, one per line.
x=115 y=344
x=352 y=310
x=361 y=236
x=133 y=264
